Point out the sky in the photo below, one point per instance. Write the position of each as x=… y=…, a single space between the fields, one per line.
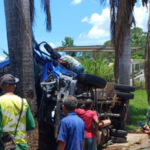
x=86 y=21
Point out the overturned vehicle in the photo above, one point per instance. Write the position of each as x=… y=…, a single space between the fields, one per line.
x=54 y=82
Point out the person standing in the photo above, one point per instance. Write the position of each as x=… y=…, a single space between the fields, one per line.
x=89 y=117
x=71 y=133
x=147 y=117
x=71 y=64
x=10 y=108
x=146 y=129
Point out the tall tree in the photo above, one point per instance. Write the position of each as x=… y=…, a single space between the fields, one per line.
x=147 y=63
x=19 y=19
x=121 y=13
x=68 y=42
x=138 y=38
x=121 y=19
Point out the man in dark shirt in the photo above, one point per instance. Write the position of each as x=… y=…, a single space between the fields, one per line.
x=89 y=117
x=71 y=133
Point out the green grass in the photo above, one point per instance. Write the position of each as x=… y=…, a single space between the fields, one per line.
x=138 y=109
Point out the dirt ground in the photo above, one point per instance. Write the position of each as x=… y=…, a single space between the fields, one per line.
x=134 y=142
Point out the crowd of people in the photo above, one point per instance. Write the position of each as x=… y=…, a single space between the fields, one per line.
x=77 y=131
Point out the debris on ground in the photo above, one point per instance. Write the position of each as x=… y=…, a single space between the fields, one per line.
x=134 y=142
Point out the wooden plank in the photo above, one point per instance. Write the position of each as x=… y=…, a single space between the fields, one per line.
x=97 y=48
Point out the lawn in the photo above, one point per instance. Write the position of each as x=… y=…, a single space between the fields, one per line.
x=138 y=109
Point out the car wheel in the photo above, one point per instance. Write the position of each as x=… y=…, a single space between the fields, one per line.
x=91 y=80
x=124 y=88
x=118 y=133
x=118 y=139
x=125 y=95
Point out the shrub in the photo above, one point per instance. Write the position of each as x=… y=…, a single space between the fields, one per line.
x=99 y=67
x=140 y=85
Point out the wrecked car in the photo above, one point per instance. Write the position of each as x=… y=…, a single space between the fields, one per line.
x=54 y=82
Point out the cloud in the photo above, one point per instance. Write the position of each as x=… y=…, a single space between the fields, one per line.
x=2 y=58
x=85 y=19
x=100 y=26
x=52 y=45
x=76 y=2
x=141 y=17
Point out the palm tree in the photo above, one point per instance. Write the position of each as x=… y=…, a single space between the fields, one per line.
x=121 y=14
x=147 y=62
x=121 y=20
x=19 y=20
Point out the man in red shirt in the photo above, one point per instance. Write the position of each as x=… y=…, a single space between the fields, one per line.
x=89 y=117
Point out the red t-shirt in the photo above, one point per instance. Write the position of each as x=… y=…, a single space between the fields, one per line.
x=88 y=116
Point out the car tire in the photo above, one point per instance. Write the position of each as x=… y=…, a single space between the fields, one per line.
x=91 y=80
x=124 y=88
x=119 y=133
x=124 y=95
x=118 y=139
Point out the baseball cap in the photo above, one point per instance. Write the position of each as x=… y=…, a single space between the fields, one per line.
x=8 y=80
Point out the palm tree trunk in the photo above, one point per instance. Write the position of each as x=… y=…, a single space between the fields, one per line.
x=18 y=24
x=147 y=62
x=124 y=69
x=125 y=61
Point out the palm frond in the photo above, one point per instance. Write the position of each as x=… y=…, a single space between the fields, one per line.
x=120 y=12
x=46 y=6
x=34 y=42
x=125 y=10
x=113 y=17
x=32 y=11
x=103 y=1
x=32 y=18
x=147 y=63
x=145 y=2
x=18 y=4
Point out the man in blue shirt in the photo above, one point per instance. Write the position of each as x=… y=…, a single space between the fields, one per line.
x=71 y=133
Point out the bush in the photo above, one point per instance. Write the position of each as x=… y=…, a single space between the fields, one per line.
x=136 y=57
x=140 y=85
x=99 y=67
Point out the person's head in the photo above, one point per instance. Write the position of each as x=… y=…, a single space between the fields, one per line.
x=69 y=104
x=8 y=83
x=88 y=104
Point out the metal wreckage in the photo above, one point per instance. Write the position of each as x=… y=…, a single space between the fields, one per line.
x=55 y=82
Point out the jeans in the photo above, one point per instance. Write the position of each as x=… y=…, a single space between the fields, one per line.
x=90 y=144
x=79 y=69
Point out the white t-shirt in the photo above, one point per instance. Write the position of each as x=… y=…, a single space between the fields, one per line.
x=73 y=62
